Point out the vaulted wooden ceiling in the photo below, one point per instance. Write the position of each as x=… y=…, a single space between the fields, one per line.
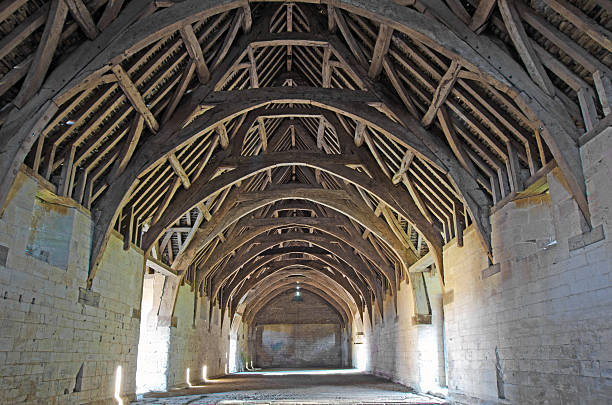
x=233 y=140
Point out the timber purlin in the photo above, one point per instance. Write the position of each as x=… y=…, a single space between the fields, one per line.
x=345 y=139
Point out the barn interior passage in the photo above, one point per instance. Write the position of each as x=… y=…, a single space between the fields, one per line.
x=415 y=189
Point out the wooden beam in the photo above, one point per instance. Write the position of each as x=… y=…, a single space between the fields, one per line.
x=514 y=169
x=44 y=52
x=581 y=21
x=523 y=46
x=223 y=138
x=204 y=210
x=481 y=15
x=399 y=87
x=195 y=52
x=459 y=9
x=586 y=99
x=321 y=133
x=603 y=84
x=229 y=38
x=263 y=135
x=350 y=40
x=113 y=7
x=360 y=130
x=179 y=91
x=8 y=7
x=247 y=18
x=416 y=197
x=404 y=166
x=331 y=21
x=253 y=68
x=161 y=267
x=380 y=49
x=81 y=15
x=178 y=169
x=453 y=140
x=129 y=226
x=132 y=93
x=326 y=69
x=167 y=198
x=129 y=145
x=559 y=68
x=442 y=91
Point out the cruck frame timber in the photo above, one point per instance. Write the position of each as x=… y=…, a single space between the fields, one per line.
x=226 y=138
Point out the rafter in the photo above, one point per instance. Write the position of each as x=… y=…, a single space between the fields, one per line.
x=195 y=52
x=44 y=53
x=380 y=50
x=118 y=173
x=522 y=43
x=82 y=16
x=132 y=93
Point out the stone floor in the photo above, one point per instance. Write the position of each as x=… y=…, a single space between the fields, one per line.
x=293 y=387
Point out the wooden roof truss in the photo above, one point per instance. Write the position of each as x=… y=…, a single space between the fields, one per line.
x=200 y=134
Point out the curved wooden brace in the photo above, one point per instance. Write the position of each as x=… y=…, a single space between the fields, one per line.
x=423 y=27
x=310 y=277
x=233 y=296
x=322 y=224
x=347 y=276
x=202 y=188
x=264 y=242
x=272 y=291
x=339 y=266
x=328 y=198
x=246 y=256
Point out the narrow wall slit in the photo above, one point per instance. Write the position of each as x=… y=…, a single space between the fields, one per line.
x=79 y=379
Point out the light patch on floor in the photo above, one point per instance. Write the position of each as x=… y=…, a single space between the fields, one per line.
x=345 y=386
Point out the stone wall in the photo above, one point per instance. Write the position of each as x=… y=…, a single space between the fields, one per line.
x=154 y=340
x=243 y=358
x=404 y=351
x=543 y=315
x=302 y=331
x=194 y=344
x=58 y=342
x=298 y=345
x=286 y=309
x=536 y=325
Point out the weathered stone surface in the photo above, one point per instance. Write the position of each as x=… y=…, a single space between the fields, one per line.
x=547 y=313
x=49 y=328
x=298 y=333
